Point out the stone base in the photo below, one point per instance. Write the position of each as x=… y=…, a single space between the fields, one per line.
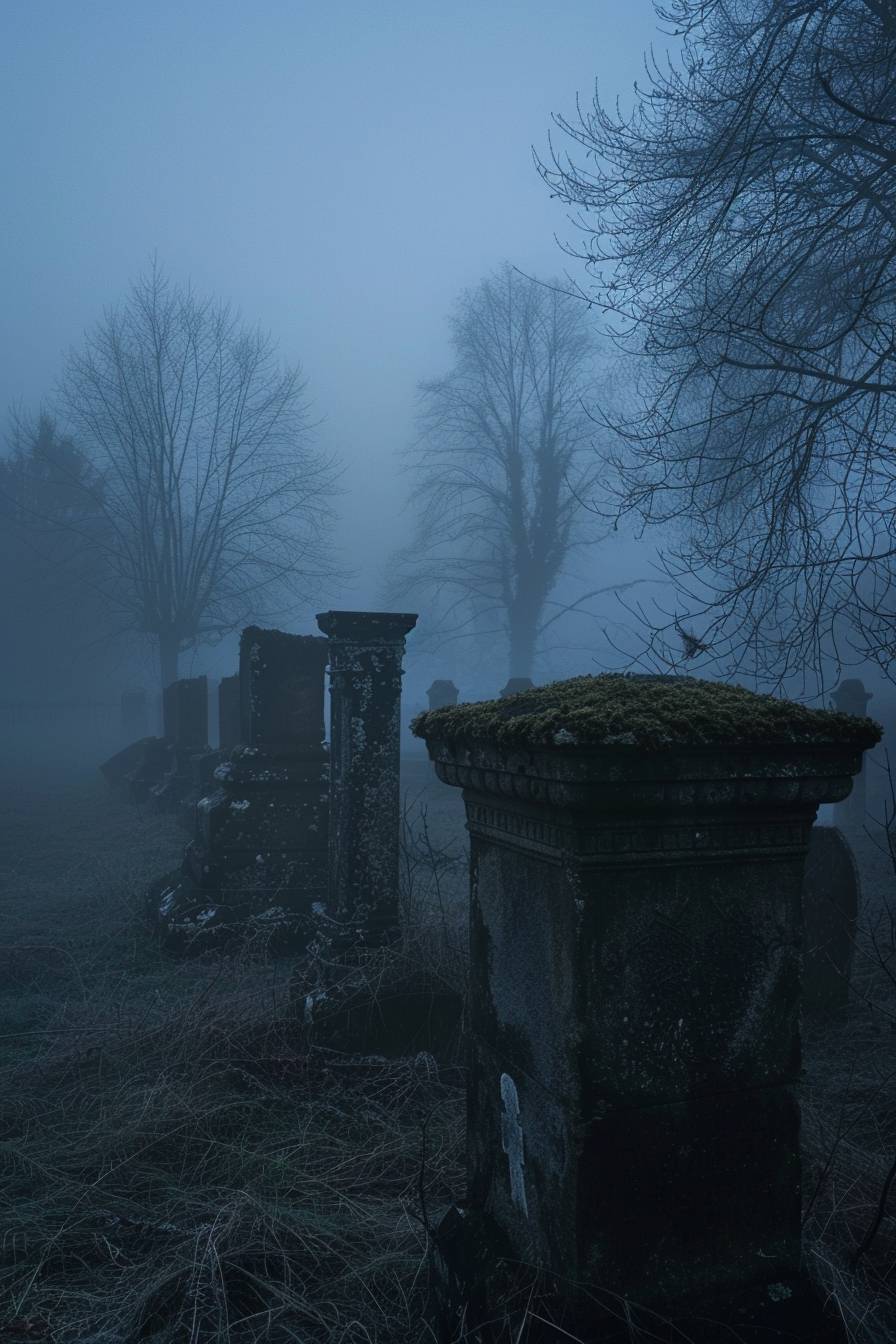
x=478 y=1282
x=190 y=918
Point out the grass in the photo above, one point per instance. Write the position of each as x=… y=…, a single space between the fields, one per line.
x=180 y=1162
x=176 y=1161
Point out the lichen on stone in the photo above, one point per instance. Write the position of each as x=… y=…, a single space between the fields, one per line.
x=650 y=713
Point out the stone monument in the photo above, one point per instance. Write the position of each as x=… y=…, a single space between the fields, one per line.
x=637 y=854
x=258 y=863
x=365 y=654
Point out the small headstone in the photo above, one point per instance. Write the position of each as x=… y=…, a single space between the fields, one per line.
x=830 y=908
x=138 y=768
x=185 y=714
x=442 y=693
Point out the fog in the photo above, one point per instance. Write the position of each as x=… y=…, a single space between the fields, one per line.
x=337 y=172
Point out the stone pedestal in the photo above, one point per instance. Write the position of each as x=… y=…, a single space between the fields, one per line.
x=637 y=852
x=229 y=726
x=258 y=862
x=365 y=654
x=851 y=697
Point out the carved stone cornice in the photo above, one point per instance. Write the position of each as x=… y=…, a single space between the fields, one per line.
x=621 y=778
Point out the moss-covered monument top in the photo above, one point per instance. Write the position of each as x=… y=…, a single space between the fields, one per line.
x=653 y=713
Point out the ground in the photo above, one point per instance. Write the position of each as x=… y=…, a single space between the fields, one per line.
x=176 y=1166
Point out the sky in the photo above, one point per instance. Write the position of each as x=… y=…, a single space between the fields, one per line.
x=339 y=172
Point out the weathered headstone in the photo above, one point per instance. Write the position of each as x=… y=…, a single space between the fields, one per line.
x=185 y=718
x=514 y=685
x=258 y=863
x=442 y=693
x=830 y=909
x=229 y=727
x=139 y=767
x=133 y=715
x=851 y=697
x=637 y=854
x=365 y=655
x=185 y=713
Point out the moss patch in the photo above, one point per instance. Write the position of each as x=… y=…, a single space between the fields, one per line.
x=642 y=711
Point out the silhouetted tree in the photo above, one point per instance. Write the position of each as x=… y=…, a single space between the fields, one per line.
x=502 y=464
x=740 y=228
x=53 y=571
x=216 y=503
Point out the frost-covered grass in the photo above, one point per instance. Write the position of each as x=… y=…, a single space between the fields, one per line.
x=175 y=1165
x=849 y=1121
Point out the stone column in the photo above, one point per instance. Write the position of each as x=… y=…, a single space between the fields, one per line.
x=229 y=728
x=851 y=697
x=366 y=649
x=637 y=852
x=442 y=693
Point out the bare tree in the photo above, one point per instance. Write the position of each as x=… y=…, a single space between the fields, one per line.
x=217 y=506
x=502 y=463
x=740 y=232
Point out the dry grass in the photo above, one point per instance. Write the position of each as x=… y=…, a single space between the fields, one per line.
x=849 y=1124
x=178 y=1162
x=175 y=1162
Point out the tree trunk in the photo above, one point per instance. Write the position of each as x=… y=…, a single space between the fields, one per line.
x=523 y=623
x=169 y=649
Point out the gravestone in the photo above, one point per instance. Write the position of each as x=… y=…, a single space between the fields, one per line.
x=515 y=685
x=637 y=855
x=442 y=693
x=229 y=727
x=133 y=715
x=830 y=910
x=137 y=768
x=185 y=720
x=258 y=862
x=185 y=714
x=851 y=697
x=365 y=656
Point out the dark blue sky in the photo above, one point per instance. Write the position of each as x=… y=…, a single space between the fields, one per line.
x=338 y=171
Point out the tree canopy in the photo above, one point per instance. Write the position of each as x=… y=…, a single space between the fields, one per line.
x=218 y=507
x=740 y=233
